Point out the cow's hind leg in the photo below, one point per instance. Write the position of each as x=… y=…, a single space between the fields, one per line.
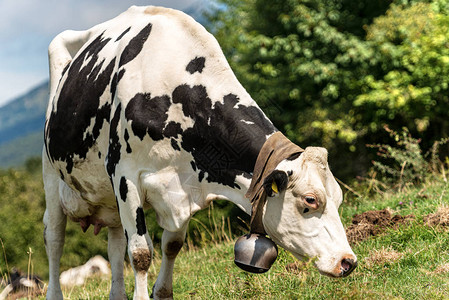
x=55 y=223
x=140 y=247
x=171 y=245
x=116 y=253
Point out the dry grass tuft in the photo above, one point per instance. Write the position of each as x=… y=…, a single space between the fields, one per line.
x=441 y=217
x=382 y=256
x=443 y=269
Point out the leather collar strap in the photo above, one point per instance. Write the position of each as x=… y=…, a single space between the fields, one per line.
x=274 y=150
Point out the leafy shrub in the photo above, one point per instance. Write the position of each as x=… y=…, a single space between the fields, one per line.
x=405 y=163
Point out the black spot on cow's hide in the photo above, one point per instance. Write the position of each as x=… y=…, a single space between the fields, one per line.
x=135 y=45
x=148 y=115
x=115 y=81
x=128 y=146
x=113 y=156
x=172 y=129
x=64 y=71
x=196 y=65
x=201 y=176
x=123 y=189
x=140 y=221
x=122 y=34
x=226 y=138
x=78 y=104
x=126 y=236
x=174 y=144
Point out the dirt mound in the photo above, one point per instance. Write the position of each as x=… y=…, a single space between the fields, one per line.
x=372 y=223
x=440 y=218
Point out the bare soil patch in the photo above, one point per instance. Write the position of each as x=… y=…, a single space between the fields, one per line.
x=375 y=222
x=372 y=223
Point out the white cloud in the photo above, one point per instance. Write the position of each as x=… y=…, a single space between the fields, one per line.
x=28 y=26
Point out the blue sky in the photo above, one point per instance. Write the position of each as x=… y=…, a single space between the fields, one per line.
x=28 y=26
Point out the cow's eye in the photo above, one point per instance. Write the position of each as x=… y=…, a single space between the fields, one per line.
x=311 y=201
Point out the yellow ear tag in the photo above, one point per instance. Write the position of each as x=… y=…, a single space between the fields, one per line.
x=274 y=187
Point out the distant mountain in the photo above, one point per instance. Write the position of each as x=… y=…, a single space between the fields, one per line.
x=22 y=119
x=21 y=127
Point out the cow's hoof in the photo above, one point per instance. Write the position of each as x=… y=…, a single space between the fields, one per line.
x=162 y=294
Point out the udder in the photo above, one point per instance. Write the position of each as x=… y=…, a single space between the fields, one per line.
x=99 y=213
x=103 y=217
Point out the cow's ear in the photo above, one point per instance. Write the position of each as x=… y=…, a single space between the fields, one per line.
x=275 y=183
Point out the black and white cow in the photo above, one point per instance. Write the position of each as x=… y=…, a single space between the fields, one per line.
x=145 y=111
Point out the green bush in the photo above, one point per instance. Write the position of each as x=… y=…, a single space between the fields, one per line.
x=333 y=73
x=404 y=163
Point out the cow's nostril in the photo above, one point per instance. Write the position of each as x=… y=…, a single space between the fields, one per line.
x=347 y=266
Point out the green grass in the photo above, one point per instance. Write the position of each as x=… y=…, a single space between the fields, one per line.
x=401 y=263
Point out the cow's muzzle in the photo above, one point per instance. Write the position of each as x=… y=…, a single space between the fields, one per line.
x=343 y=267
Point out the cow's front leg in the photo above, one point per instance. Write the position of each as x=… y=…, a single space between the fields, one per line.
x=171 y=245
x=140 y=247
x=116 y=253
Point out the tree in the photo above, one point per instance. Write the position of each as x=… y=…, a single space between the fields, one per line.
x=299 y=61
x=332 y=73
x=412 y=90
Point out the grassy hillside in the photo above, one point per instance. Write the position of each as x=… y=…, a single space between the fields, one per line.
x=21 y=127
x=14 y=153
x=410 y=261
x=24 y=115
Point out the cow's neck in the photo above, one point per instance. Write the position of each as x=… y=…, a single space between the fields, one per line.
x=230 y=153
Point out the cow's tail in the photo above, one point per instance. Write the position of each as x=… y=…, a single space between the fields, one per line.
x=61 y=52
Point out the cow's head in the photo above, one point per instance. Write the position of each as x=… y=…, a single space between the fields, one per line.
x=301 y=212
x=295 y=199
